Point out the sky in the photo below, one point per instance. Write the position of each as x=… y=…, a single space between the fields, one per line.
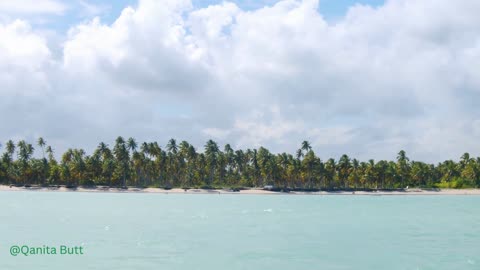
x=363 y=78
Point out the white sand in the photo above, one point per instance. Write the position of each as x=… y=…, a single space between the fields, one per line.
x=247 y=191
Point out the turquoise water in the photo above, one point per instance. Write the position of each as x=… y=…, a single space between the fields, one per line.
x=153 y=231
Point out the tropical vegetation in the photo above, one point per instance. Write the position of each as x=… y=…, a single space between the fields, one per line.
x=128 y=163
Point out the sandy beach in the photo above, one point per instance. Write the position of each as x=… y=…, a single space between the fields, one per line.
x=252 y=191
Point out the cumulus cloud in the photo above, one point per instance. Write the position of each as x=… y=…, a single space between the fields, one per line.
x=146 y=48
x=22 y=48
x=404 y=75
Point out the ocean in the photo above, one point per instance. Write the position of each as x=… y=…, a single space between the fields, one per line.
x=220 y=232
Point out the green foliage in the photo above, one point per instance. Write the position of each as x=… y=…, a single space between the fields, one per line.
x=129 y=163
x=457 y=183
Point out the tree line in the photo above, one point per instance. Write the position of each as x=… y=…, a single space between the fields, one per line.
x=148 y=164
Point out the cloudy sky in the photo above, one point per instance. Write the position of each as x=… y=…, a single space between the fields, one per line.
x=366 y=78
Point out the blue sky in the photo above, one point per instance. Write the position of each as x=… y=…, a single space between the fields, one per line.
x=109 y=10
x=330 y=8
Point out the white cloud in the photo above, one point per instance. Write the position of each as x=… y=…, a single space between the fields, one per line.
x=145 y=48
x=265 y=127
x=401 y=76
x=216 y=133
x=90 y=9
x=21 y=45
x=24 y=59
x=32 y=7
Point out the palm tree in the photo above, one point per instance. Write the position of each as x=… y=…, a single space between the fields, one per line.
x=78 y=167
x=470 y=171
x=172 y=146
x=239 y=163
x=159 y=168
x=382 y=170
x=108 y=168
x=330 y=172
x=306 y=146
x=104 y=150
x=25 y=152
x=211 y=154
x=173 y=162
x=464 y=160
x=191 y=157
x=229 y=155
x=299 y=154
x=371 y=173
x=132 y=145
x=138 y=164
x=344 y=170
x=354 y=174
x=122 y=157
x=284 y=164
x=184 y=160
x=309 y=163
x=50 y=153
x=10 y=147
x=41 y=142
x=7 y=159
x=402 y=167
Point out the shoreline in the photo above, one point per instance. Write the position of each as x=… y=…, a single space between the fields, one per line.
x=252 y=191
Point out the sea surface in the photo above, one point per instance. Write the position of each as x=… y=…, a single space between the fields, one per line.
x=227 y=232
